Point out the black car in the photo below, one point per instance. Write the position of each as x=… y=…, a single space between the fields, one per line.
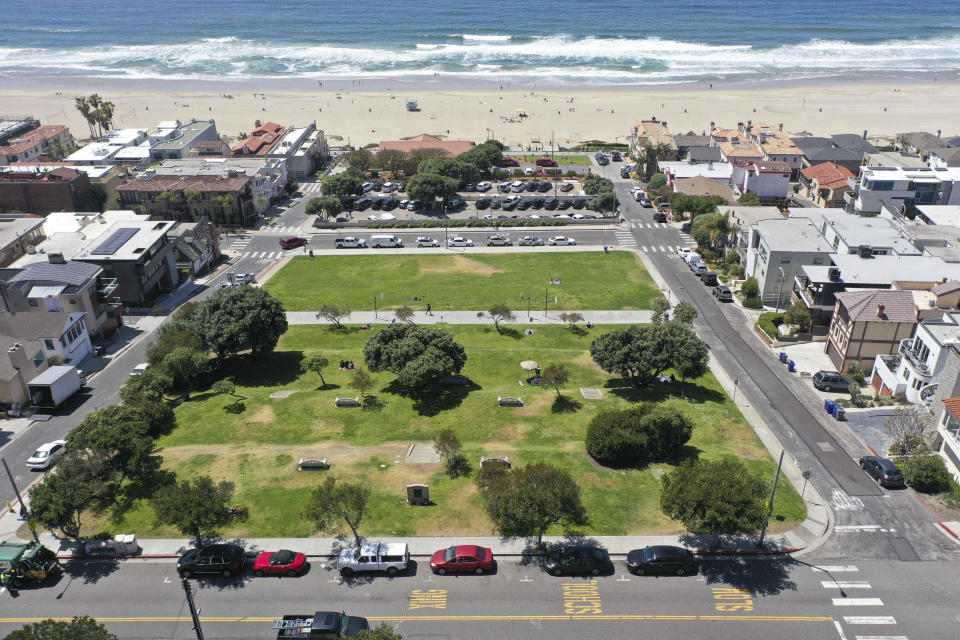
x=538 y=203
x=389 y=204
x=509 y=205
x=661 y=559
x=624 y=172
x=544 y=187
x=579 y=559
x=496 y=203
x=533 y=185
x=884 y=471
x=361 y=204
x=579 y=203
x=377 y=186
x=483 y=203
x=216 y=559
x=602 y=161
x=401 y=186
x=523 y=205
x=455 y=202
x=564 y=204
x=469 y=187
x=645 y=203
x=551 y=203
x=685 y=227
x=378 y=203
x=616 y=156
x=659 y=216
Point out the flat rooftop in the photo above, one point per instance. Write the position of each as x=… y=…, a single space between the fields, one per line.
x=746 y=216
x=795 y=235
x=189 y=132
x=13 y=228
x=948 y=214
x=872 y=231
x=884 y=270
x=127 y=240
x=93 y=171
x=711 y=170
x=949 y=174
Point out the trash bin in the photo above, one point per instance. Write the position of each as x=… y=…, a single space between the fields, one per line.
x=830 y=405
x=791 y=366
x=839 y=412
x=783 y=356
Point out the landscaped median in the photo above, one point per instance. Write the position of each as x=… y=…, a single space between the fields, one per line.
x=284 y=415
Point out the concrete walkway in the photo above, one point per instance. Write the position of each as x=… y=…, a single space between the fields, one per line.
x=470 y=317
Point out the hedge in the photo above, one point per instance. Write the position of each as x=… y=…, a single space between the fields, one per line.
x=752 y=303
x=770 y=322
x=927 y=474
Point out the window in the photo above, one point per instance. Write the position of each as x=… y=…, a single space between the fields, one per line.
x=48 y=343
x=73 y=301
x=878 y=185
x=39 y=359
x=33 y=302
x=786 y=260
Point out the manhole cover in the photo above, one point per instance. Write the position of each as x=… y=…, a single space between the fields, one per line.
x=591 y=393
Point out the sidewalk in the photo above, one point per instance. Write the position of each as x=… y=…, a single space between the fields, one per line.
x=470 y=317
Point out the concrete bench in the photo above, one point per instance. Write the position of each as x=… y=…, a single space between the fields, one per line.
x=347 y=402
x=510 y=402
x=307 y=463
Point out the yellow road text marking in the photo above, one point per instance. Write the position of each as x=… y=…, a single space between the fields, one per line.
x=731 y=599
x=428 y=599
x=581 y=598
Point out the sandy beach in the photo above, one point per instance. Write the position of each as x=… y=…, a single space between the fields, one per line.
x=373 y=113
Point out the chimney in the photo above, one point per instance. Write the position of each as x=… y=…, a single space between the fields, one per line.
x=938 y=133
x=256 y=123
x=880 y=309
x=864 y=134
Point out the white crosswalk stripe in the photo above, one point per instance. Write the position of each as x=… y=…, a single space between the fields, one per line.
x=857 y=602
x=859 y=584
x=882 y=638
x=869 y=620
x=845 y=568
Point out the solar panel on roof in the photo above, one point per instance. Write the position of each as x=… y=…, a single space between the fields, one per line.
x=116 y=240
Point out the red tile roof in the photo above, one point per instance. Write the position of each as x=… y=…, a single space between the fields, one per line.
x=261 y=140
x=828 y=174
x=953 y=406
x=32 y=138
x=62 y=174
x=186 y=183
x=426 y=141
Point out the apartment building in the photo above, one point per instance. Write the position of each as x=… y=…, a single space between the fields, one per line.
x=227 y=200
x=869 y=323
x=304 y=149
x=267 y=175
x=777 y=249
x=63 y=189
x=178 y=141
x=27 y=141
x=902 y=188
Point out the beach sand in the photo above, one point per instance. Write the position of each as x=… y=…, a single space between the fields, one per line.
x=568 y=117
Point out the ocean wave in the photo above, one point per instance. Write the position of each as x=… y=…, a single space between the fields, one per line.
x=557 y=55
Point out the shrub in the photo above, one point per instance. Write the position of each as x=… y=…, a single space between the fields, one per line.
x=637 y=435
x=927 y=474
x=752 y=303
x=750 y=288
x=731 y=258
x=770 y=323
x=657 y=180
x=709 y=254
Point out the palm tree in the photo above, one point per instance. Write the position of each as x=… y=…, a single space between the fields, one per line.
x=719 y=228
x=83 y=106
x=223 y=202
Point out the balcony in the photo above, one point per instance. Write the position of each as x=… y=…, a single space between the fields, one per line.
x=849 y=197
x=105 y=287
x=853 y=183
x=906 y=350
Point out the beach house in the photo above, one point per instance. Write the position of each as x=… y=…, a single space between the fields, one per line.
x=304 y=148
x=25 y=140
x=261 y=140
x=825 y=184
x=62 y=189
x=652 y=133
x=776 y=250
x=177 y=141
x=844 y=149
x=768 y=179
x=868 y=323
x=103 y=149
x=902 y=189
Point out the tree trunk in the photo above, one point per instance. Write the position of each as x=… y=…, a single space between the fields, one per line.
x=322 y=381
x=356 y=536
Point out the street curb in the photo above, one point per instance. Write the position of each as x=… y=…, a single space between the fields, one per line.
x=948 y=531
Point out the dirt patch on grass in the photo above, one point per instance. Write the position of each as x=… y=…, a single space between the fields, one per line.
x=263 y=414
x=461 y=264
x=534 y=402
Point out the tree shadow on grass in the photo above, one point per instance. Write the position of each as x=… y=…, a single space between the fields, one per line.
x=563 y=404
x=438 y=398
x=266 y=370
x=660 y=391
x=236 y=408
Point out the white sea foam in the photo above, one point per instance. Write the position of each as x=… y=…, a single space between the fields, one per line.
x=483 y=38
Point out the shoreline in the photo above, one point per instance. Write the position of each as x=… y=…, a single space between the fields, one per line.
x=472 y=111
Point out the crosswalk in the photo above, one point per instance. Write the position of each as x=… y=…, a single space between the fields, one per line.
x=625 y=238
x=856 y=588
x=310 y=188
x=287 y=230
x=648 y=225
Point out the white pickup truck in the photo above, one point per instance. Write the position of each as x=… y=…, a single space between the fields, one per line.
x=391 y=557
x=349 y=242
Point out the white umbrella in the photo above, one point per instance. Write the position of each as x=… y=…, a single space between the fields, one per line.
x=529 y=365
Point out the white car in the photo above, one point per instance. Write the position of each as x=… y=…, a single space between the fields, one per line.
x=388 y=187
x=460 y=242
x=403 y=204
x=529 y=171
x=498 y=241
x=367 y=186
x=43 y=457
x=390 y=557
x=373 y=218
x=484 y=186
x=561 y=241
x=683 y=251
x=140 y=368
x=427 y=241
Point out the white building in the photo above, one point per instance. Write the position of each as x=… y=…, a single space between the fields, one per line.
x=903 y=187
x=915 y=369
x=106 y=147
x=677 y=169
x=879 y=236
x=769 y=180
x=776 y=249
x=267 y=175
x=302 y=148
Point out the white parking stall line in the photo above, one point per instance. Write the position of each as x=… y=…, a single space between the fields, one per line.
x=858 y=584
x=842 y=568
x=881 y=637
x=869 y=620
x=857 y=602
x=852 y=528
x=644 y=249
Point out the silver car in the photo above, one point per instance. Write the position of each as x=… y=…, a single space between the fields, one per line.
x=427 y=241
x=460 y=242
x=530 y=241
x=561 y=241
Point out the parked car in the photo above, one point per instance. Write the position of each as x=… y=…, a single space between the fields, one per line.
x=883 y=471
x=510 y=205
x=538 y=203
x=215 y=559
x=390 y=557
x=683 y=251
x=545 y=186
x=389 y=204
x=567 y=185
x=579 y=203
x=831 y=381
x=661 y=559
x=367 y=187
x=349 y=242
x=427 y=241
x=625 y=172
x=498 y=241
x=469 y=186
x=45 y=454
x=551 y=204
x=379 y=241
x=509 y=162
x=564 y=204
x=460 y=242
x=528 y=171
x=659 y=216
x=523 y=205
x=557 y=241
x=645 y=203
x=722 y=293
x=685 y=227
x=533 y=185
x=140 y=368
x=496 y=203
x=280 y=563
x=578 y=560
x=388 y=187
x=517 y=186
x=530 y=241
x=292 y=242
x=455 y=202
x=483 y=203
x=709 y=278
x=361 y=204
x=546 y=162
x=464 y=558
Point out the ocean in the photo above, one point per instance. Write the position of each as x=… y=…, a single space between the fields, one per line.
x=562 y=42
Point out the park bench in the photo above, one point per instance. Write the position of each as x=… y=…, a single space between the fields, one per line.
x=347 y=402
x=312 y=463
x=506 y=401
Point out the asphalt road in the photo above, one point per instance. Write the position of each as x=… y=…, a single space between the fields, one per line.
x=729 y=599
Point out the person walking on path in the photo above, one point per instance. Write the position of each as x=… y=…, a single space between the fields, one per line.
x=429 y=313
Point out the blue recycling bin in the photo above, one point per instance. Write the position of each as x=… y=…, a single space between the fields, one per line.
x=791 y=366
x=783 y=356
x=829 y=405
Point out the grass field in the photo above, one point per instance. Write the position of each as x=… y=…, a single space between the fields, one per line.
x=561 y=159
x=590 y=281
x=256 y=443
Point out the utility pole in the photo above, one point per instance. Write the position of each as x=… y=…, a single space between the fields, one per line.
x=773 y=492
x=193 y=608
x=546 y=301
x=23 y=508
x=375 y=305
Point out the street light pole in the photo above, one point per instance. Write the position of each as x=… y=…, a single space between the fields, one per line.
x=23 y=508
x=193 y=608
x=783 y=277
x=773 y=492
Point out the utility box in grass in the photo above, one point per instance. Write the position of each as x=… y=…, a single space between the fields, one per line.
x=418 y=494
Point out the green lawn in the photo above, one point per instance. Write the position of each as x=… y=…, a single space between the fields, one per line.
x=257 y=442
x=561 y=159
x=590 y=281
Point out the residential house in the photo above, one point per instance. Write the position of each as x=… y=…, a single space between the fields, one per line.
x=63 y=189
x=777 y=249
x=869 y=323
x=734 y=144
x=652 y=133
x=267 y=175
x=426 y=141
x=699 y=186
x=719 y=172
x=211 y=149
x=844 y=149
x=303 y=149
x=62 y=335
x=903 y=189
x=225 y=200
x=103 y=149
x=197 y=245
x=137 y=157
x=918 y=143
x=939 y=158
x=769 y=180
x=183 y=138
x=261 y=140
x=914 y=369
x=105 y=176
x=825 y=183
x=948 y=430
x=36 y=143
x=776 y=146
x=703 y=154
x=21 y=360
x=889 y=159
x=19 y=234
x=876 y=236
x=689 y=141
x=741 y=218
x=60 y=285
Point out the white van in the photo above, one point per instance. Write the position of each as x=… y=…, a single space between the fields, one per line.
x=692 y=259
x=385 y=241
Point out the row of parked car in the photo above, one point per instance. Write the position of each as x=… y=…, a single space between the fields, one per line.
x=497 y=240
x=517 y=202
x=519 y=186
x=392 y=558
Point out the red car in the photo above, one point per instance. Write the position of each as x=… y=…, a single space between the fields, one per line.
x=280 y=563
x=546 y=162
x=462 y=558
x=292 y=242
x=509 y=162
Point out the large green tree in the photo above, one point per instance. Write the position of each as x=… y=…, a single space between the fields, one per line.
x=343 y=185
x=483 y=156
x=711 y=230
x=419 y=356
x=79 y=628
x=719 y=497
x=150 y=386
x=183 y=365
x=605 y=202
x=391 y=160
x=450 y=168
x=81 y=482
x=526 y=501
x=123 y=436
x=336 y=502
x=198 y=508
x=240 y=318
x=637 y=435
x=430 y=187
x=361 y=159
x=640 y=353
x=412 y=162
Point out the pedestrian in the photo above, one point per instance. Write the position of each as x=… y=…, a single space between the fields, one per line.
x=429 y=313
